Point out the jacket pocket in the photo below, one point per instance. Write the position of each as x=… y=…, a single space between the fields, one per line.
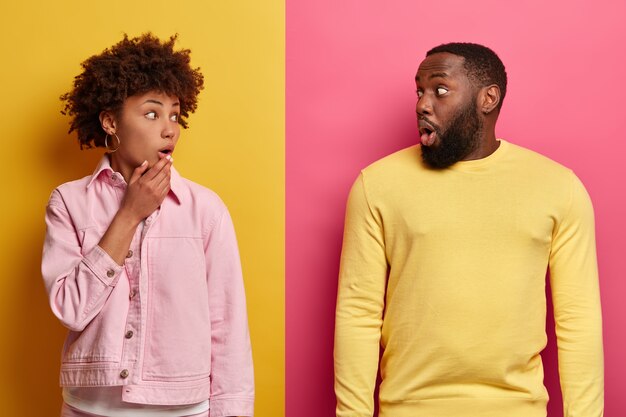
x=178 y=332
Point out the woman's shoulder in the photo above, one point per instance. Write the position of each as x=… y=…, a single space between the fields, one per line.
x=71 y=189
x=197 y=195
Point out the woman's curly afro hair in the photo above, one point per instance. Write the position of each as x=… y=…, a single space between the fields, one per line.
x=133 y=66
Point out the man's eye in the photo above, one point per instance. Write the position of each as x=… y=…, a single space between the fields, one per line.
x=151 y=115
x=420 y=93
x=441 y=91
x=174 y=118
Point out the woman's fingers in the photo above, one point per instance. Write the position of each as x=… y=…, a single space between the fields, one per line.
x=148 y=187
x=138 y=172
x=157 y=168
x=163 y=177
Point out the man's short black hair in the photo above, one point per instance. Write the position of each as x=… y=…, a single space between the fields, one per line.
x=482 y=64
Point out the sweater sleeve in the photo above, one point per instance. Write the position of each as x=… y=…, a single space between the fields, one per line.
x=577 y=312
x=232 y=379
x=360 y=304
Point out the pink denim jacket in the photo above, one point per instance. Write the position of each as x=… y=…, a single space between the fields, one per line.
x=170 y=325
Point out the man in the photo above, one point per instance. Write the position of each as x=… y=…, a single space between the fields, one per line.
x=444 y=259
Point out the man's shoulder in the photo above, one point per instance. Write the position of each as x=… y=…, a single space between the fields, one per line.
x=399 y=161
x=535 y=163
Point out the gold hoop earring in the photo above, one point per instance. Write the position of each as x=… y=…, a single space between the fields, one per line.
x=106 y=142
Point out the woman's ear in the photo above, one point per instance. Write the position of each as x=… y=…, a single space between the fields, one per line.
x=107 y=121
x=489 y=99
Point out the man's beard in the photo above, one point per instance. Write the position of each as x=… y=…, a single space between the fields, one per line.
x=461 y=138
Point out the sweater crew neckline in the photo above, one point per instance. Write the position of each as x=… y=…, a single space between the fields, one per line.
x=478 y=165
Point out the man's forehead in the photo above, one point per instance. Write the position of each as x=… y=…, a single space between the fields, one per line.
x=440 y=64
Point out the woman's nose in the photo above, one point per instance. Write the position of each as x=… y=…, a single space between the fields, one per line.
x=168 y=131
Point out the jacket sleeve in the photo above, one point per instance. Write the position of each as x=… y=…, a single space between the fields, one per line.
x=360 y=304
x=78 y=283
x=232 y=378
x=577 y=312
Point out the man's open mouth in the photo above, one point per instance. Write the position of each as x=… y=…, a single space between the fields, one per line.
x=426 y=130
x=427 y=133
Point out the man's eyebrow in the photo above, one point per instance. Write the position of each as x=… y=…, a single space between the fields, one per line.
x=434 y=75
x=438 y=74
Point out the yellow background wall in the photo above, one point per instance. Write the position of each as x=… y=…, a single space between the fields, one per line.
x=235 y=145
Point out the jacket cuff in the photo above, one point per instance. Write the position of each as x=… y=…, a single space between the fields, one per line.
x=103 y=266
x=227 y=407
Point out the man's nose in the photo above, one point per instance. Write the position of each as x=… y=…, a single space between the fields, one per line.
x=424 y=105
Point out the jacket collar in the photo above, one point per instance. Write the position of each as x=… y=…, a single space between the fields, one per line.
x=104 y=172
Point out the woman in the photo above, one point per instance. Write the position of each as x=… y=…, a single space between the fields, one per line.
x=140 y=264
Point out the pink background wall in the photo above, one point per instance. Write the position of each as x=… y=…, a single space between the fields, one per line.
x=350 y=101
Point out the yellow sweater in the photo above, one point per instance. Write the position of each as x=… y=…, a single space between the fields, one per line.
x=443 y=273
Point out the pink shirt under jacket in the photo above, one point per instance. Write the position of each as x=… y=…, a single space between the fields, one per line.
x=173 y=329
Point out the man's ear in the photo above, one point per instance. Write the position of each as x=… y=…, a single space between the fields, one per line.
x=489 y=98
x=107 y=121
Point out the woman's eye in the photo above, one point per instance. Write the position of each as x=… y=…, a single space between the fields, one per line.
x=441 y=91
x=174 y=118
x=420 y=93
x=151 y=115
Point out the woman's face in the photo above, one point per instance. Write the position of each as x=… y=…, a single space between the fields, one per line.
x=148 y=129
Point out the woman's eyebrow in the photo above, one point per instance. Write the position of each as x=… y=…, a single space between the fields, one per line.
x=159 y=103
x=153 y=101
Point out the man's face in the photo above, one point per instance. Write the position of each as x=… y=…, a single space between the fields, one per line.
x=448 y=121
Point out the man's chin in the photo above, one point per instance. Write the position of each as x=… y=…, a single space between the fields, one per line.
x=436 y=157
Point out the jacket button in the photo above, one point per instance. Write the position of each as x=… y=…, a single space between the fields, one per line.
x=129 y=254
x=124 y=373
x=129 y=334
x=110 y=273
